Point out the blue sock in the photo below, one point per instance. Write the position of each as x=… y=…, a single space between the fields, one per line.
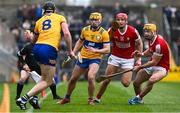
x=25 y=98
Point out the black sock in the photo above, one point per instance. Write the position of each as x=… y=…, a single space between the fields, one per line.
x=19 y=89
x=53 y=90
x=67 y=96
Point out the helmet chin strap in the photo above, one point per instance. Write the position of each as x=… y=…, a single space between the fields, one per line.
x=94 y=27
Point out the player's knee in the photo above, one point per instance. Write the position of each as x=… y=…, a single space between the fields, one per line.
x=48 y=80
x=151 y=81
x=91 y=78
x=126 y=84
x=106 y=82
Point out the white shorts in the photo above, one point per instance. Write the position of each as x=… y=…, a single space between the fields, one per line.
x=121 y=62
x=151 y=70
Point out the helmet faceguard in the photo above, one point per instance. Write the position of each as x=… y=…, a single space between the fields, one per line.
x=96 y=16
x=122 y=18
x=95 y=19
x=149 y=31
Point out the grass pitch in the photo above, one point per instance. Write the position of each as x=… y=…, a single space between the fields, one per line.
x=165 y=97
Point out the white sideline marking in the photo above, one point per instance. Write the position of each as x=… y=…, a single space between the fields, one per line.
x=30 y=110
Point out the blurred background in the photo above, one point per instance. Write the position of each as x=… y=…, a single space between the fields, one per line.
x=18 y=15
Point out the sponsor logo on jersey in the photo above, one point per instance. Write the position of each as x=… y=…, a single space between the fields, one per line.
x=116 y=37
x=121 y=38
x=123 y=44
x=98 y=37
x=92 y=37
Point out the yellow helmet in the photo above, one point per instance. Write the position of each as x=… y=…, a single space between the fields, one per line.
x=151 y=27
x=95 y=15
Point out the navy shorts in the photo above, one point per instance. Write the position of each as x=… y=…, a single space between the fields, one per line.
x=45 y=54
x=86 y=62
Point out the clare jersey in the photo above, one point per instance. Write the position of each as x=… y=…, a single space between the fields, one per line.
x=94 y=39
x=160 y=47
x=49 y=28
x=123 y=44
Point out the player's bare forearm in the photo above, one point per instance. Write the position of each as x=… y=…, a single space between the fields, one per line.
x=138 y=47
x=155 y=60
x=67 y=36
x=148 y=64
x=147 y=53
x=78 y=45
x=104 y=50
x=68 y=40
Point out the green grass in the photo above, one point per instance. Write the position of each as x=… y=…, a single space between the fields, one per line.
x=165 y=97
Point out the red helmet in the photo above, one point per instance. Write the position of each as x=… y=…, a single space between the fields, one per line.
x=122 y=15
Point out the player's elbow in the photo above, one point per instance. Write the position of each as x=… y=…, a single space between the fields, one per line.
x=67 y=35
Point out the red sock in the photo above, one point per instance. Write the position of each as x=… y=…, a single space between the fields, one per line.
x=98 y=96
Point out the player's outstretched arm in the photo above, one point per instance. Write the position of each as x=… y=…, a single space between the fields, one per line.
x=78 y=45
x=67 y=38
x=104 y=50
